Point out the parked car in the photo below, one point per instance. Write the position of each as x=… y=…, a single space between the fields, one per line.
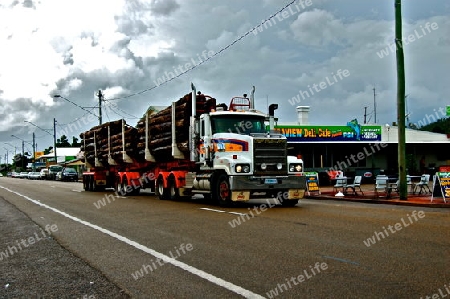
x=15 y=174
x=34 y=175
x=67 y=174
x=44 y=174
x=53 y=170
x=23 y=175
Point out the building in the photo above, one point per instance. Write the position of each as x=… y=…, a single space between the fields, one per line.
x=366 y=149
x=63 y=154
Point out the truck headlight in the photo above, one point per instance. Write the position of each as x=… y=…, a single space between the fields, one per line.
x=279 y=166
x=263 y=166
x=295 y=167
x=242 y=168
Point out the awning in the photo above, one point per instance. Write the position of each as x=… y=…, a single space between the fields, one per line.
x=75 y=163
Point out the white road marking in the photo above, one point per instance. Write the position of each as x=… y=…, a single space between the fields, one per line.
x=211 y=278
x=220 y=211
x=212 y=210
x=77 y=190
x=236 y=213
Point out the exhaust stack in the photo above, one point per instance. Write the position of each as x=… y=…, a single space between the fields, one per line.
x=193 y=127
x=252 y=98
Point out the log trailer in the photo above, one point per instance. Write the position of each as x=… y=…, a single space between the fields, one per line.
x=195 y=146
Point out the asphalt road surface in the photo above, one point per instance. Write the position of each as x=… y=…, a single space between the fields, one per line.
x=143 y=247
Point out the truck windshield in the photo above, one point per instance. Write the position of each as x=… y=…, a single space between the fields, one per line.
x=237 y=124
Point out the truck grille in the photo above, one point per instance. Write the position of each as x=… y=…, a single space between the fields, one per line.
x=271 y=152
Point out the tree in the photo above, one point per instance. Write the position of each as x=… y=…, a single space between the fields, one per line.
x=48 y=150
x=75 y=142
x=62 y=142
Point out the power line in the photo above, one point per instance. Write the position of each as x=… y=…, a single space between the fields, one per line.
x=76 y=119
x=209 y=57
x=112 y=107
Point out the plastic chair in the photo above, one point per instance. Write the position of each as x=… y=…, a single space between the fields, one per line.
x=423 y=184
x=409 y=182
x=381 y=182
x=356 y=184
x=340 y=181
x=393 y=187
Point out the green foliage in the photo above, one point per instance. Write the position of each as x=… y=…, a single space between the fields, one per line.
x=62 y=142
x=440 y=126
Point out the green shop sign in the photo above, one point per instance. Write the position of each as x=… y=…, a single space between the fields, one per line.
x=306 y=133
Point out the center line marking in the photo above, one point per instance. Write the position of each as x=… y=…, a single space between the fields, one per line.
x=211 y=278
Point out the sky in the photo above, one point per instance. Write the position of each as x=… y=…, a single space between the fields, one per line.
x=326 y=54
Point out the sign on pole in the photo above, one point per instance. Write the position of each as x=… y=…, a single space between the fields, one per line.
x=448 y=110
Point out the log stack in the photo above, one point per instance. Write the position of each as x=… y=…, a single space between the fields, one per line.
x=160 y=133
x=160 y=128
x=113 y=146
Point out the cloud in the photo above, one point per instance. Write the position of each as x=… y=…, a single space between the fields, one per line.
x=164 y=7
x=318 y=28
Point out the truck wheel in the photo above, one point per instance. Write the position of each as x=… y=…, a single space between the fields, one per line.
x=118 y=187
x=91 y=183
x=162 y=192
x=86 y=183
x=124 y=187
x=221 y=190
x=174 y=192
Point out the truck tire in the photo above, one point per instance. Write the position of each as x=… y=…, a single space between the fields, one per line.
x=118 y=187
x=221 y=190
x=86 y=183
x=163 y=193
x=91 y=183
x=173 y=191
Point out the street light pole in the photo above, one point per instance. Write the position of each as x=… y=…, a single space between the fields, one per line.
x=54 y=140
x=100 y=98
x=45 y=130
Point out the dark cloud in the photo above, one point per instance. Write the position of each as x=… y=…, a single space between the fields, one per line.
x=164 y=7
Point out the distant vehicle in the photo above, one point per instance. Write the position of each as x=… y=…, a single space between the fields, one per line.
x=23 y=175
x=9 y=174
x=44 y=173
x=15 y=174
x=1 y=174
x=34 y=175
x=53 y=170
x=67 y=174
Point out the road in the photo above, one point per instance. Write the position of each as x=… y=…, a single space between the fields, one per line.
x=192 y=249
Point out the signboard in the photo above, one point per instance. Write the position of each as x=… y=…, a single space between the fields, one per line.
x=38 y=154
x=441 y=182
x=448 y=111
x=306 y=133
x=312 y=182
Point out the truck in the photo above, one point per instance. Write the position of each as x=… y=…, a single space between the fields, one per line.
x=227 y=153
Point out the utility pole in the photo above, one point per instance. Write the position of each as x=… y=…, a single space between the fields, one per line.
x=374 y=105
x=400 y=101
x=100 y=99
x=23 y=154
x=365 y=115
x=33 y=160
x=54 y=140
